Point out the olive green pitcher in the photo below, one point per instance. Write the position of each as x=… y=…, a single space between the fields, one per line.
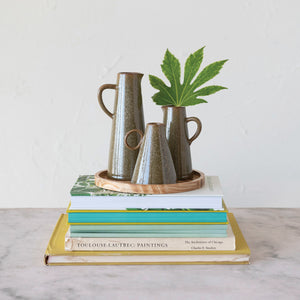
x=154 y=164
x=178 y=139
x=128 y=114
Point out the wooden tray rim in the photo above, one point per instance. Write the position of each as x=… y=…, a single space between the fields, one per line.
x=181 y=186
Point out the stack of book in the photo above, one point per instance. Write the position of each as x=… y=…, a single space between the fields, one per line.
x=106 y=227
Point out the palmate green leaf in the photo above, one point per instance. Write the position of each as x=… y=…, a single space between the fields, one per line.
x=165 y=93
x=192 y=100
x=209 y=90
x=171 y=68
x=208 y=73
x=161 y=99
x=185 y=94
x=164 y=96
x=192 y=66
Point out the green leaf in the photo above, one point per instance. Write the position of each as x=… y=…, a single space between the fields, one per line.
x=192 y=66
x=185 y=94
x=193 y=100
x=161 y=99
x=209 y=90
x=171 y=68
x=165 y=95
x=208 y=73
x=156 y=82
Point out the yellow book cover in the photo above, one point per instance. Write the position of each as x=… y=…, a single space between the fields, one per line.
x=57 y=255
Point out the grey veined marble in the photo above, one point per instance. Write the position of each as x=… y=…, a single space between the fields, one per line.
x=272 y=234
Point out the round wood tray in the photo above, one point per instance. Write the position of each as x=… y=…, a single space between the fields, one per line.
x=194 y=183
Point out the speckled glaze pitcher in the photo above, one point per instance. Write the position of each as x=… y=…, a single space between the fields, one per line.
x=128 y=114
x=154 y=164
x=178 y=139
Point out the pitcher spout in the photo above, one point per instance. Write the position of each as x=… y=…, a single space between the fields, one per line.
x=140 y=75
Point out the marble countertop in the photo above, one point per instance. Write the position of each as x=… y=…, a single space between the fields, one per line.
x=273 y=236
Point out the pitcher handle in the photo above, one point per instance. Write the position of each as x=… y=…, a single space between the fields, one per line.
x=100 y=100
x=198 y=130
x=127 y=135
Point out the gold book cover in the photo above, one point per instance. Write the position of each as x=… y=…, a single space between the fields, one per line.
x=57 y=255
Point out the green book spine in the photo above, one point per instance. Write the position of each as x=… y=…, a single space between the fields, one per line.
x=147 y=217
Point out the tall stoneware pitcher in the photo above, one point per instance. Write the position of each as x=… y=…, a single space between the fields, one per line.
x=178 y=139
x=128 y=114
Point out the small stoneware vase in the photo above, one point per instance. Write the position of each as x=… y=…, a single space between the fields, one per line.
x=178 y=139
x=128 y=114
x=154 y=164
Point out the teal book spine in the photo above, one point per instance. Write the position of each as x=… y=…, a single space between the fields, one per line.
x=147 y=217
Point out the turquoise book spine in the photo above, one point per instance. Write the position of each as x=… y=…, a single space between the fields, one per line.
x=147 y=217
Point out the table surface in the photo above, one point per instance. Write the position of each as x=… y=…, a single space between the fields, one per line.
x=273 y=236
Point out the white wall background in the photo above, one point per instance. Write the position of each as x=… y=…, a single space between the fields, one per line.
x=55 y=55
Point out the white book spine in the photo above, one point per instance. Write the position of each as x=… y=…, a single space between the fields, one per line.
x=159 y=244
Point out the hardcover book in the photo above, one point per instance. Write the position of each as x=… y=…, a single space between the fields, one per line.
x=146 y=228
x=147 y=217
x=149 y=241
x=202 y=234
x=57 y=255
x=85 y=195
x=140 y=233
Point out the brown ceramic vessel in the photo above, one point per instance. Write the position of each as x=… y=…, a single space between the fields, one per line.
x=128 y=114
x=178 y=139
x=154 y=164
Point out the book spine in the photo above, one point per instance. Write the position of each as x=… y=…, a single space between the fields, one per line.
x=152 y=228
x=147 y=217
x=147 y=202
x=153 y=244
x=147 y=234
